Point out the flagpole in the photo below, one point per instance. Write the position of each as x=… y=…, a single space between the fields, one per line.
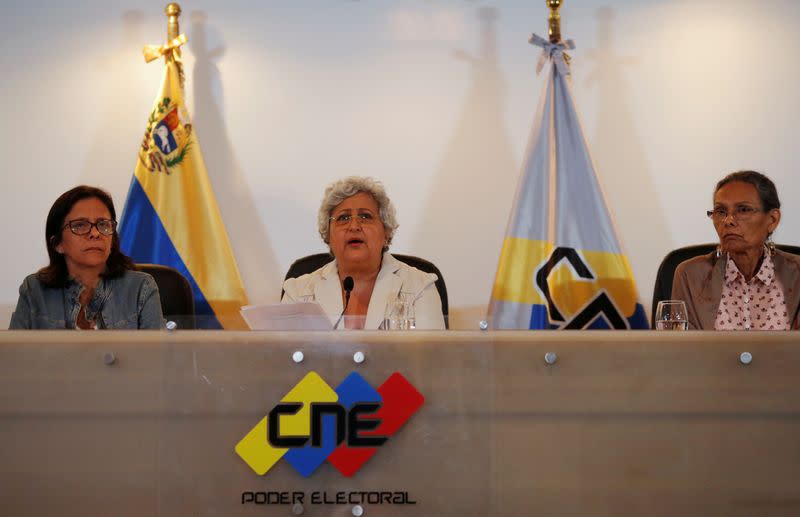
x=554 y=21
x=554 y=31
x=173 y=11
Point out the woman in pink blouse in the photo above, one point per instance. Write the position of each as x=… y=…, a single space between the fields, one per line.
x=746 y=284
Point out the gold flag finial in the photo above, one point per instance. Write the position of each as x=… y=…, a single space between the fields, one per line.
x=554 y=21
x=172 y=11
x=172 y=49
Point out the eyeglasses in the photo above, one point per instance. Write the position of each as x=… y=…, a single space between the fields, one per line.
x=84 y=226
x=363 y=218
x=740 y=213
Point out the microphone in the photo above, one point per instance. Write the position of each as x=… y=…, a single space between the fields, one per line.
x=348 y=288
x=347 y=284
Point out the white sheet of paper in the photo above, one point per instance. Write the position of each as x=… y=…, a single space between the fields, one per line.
x=286 y=316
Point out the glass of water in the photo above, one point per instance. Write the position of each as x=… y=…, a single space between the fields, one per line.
x=399 y=314
x=671 y=315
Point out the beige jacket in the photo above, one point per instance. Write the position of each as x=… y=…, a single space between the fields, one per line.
x=323 y=286
x=698 y=282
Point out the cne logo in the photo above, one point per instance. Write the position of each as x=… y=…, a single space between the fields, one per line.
x=345 y=426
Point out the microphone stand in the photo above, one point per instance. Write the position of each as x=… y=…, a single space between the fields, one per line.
x=347 y=284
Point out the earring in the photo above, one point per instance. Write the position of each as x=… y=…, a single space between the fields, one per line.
x=770 y=246
x=719 y=251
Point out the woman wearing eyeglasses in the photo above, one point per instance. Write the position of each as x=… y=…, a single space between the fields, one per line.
x=357 y=221
x=89 y=283
x=746 y=284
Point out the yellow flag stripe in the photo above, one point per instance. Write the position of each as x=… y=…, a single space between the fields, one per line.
x=521 y=258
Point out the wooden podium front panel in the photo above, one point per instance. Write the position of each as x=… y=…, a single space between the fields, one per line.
x=622 y=423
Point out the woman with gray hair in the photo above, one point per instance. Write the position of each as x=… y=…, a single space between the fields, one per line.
x=357 y=221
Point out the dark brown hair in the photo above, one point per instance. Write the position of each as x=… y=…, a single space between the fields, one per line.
x=767 y=192
x=56 y=274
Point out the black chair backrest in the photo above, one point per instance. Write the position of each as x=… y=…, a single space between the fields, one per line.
x=666 y=271
x=311 y=263
x=177 y=299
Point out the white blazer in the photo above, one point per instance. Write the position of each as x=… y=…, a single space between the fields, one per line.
x=394 y=277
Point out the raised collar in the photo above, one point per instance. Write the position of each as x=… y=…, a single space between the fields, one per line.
x=765 y=274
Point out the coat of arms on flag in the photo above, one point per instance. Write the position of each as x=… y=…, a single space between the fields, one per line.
x=167 y=138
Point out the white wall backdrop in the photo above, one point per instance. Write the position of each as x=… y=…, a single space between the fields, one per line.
x=435 y=98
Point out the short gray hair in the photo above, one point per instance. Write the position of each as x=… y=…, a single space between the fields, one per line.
x=340 y=190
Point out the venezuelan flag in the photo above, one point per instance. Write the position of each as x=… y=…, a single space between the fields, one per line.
x=561 y=265
x=171 y=216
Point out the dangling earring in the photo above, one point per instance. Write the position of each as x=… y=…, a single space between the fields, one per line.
x=719 y=251
x=770 y=246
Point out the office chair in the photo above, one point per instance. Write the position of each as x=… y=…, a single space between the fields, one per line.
x=177 y=299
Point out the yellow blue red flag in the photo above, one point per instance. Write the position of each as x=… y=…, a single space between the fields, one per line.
x=561 y=265
x=171 y=216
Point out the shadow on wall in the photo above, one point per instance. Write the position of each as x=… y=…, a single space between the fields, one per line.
x=111 y=156
x=248 y=236
x=472 y=192
x=622 y=162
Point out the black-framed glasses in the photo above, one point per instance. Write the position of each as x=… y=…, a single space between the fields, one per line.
x=345 y=218
x=740 y=213
x=84 y=226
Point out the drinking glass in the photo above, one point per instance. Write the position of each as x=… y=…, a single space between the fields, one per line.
x=399 y=313
x=671 y=315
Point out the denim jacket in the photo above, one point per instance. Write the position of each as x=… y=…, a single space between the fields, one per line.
x=127 y=302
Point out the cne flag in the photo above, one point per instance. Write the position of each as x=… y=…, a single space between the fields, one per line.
x=171 y=216
x=561 y=265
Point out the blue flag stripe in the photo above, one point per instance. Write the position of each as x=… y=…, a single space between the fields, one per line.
x=144 y=239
